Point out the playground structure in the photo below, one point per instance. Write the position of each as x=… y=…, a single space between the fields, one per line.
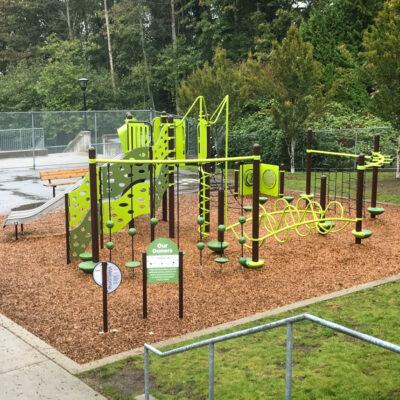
x=117 y=191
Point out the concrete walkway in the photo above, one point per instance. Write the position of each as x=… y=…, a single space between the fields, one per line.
x=28 y=374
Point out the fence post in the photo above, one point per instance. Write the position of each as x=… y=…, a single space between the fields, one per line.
x=146 y=375
x=309 y=161
x=211 y=371
x=34 y=140
x=95 y=130
x=289 y=362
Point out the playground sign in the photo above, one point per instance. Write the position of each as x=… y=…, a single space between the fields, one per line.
x=114 y=276
x=162 y=262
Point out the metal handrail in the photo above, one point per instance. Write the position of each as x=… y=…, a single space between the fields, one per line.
x=260 y=328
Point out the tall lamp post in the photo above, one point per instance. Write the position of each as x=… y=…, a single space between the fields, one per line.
x=83 y=82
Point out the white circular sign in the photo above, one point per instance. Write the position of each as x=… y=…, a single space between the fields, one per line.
x=114 y=276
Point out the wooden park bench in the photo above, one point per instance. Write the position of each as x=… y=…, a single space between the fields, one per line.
x=58 y=177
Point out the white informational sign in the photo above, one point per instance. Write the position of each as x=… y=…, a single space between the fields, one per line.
x=114 y=276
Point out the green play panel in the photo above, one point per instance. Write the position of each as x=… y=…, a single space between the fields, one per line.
x=217 y=247
x=132 y=264
x=87 y=266
x=376 y=210
x=364 y=234
x=85 y=256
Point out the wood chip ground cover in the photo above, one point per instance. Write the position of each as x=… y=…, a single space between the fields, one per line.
x=62 y=305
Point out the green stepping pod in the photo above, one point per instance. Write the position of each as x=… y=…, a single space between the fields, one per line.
x=364 y=234
x=87 y=266
x=85 y=256
x=221 y=260
x=289 y=199
x=132 y=264
x=217 y=247
x=376 y=210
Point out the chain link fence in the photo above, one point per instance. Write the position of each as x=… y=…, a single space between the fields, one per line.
x=30 y=135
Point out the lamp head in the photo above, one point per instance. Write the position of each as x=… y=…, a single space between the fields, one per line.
x=83 y=82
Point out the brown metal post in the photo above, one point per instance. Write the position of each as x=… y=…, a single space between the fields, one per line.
x=360 y=193
x=309 y=161
x=256 y=204
x=171 y=178
x=281 y=180
x=236 y=180
x=208 y=168
x=165 y=206
x=221 y=208
x=144 y=272
x=322 y=196
x=67 y=243
x=151 y=194
x=374 y=189
x=94 y=213
x=180 y=285
x=16 y=231
x=105 y=294
x=101 y=210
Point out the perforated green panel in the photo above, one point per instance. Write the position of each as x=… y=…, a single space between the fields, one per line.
x=80 y=236
x=120 y=174
x=79 y=202
x=123 y=209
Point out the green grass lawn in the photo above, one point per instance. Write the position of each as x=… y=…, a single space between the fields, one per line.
x=327 y=365
x=388 y=185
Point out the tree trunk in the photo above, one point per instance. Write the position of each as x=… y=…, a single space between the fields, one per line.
x=70 y=33
x=292 y=153
x=146 y=65
x=174 y=48
x=398 y=159
x=110 y=56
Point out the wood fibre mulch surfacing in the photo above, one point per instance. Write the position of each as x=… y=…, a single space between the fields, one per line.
x=62 y=305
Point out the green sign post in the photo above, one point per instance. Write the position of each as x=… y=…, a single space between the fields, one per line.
x=162 y=263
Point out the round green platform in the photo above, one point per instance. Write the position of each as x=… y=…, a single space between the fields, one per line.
x=262 y=199
x=254 y=264
x=376 y=210
x=306 y=196
x=221 y=260
x=132 y=264
x=364 y=234
x=217 y=247
x=85 y=256
x=327 y=225
x=289 y=199
x=247 y=208
x=87 y=266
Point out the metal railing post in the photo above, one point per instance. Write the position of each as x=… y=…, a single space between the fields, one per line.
x=33 y=140
x=146 y=375
x=289 y=361
x=211 y=371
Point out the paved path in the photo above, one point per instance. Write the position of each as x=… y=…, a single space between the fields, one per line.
x=27 y=374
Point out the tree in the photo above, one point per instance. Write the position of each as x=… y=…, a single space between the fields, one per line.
x=295 y=86
x=109 y=47
x=382 y=63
